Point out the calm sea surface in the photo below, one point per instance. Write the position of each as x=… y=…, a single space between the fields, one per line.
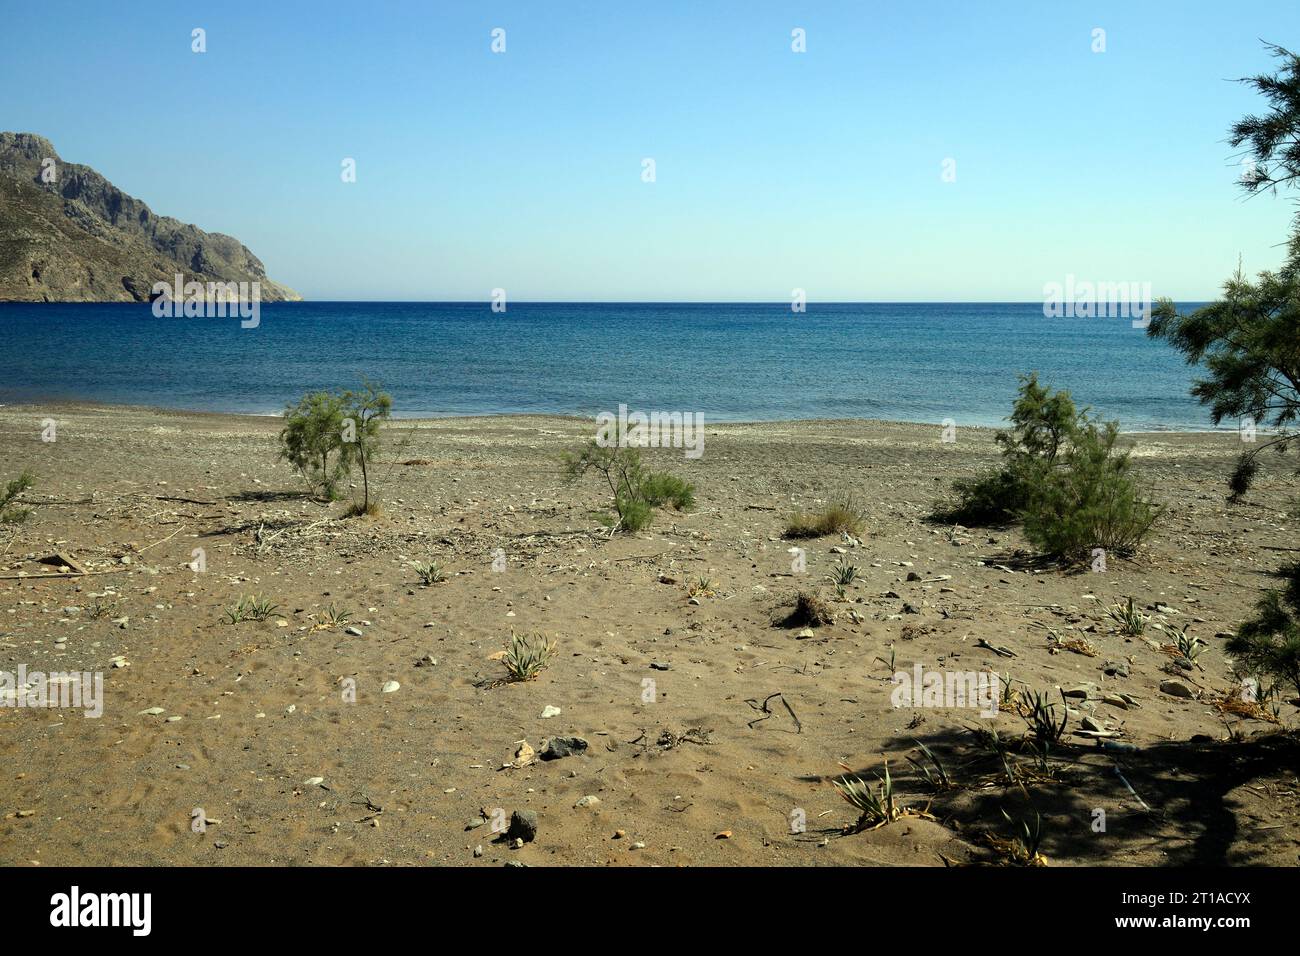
x=746 y=362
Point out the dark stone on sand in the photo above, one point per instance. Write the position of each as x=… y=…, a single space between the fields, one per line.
x=523 y=826
x=557 y=747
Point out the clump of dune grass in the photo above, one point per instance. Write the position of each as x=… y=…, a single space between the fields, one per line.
x=809 y=611
x=1023 y=848
x=1040 y=717
x=841 y=576
x=249 y=607
x=876 y=807
x=703 y=587
x=359 y=509
x=1131 y=621
x=526 y=655
x=1188 y=646
x=431 y=572
x=841 y=515
x=331 y=618
x=938 y=779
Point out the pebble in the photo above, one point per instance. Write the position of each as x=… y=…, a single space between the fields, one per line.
x=1176 y=688
x=391 y=686
x=550 y=711
x=590 y=800
x=354 y=631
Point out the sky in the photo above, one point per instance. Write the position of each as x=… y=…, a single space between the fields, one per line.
x=774 y=170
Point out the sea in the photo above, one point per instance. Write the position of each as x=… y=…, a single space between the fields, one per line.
x=916 y=362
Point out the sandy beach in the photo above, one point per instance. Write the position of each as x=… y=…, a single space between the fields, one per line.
x=280 y=735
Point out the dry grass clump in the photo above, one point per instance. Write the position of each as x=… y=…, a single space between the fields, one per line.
x=841 y=515
x=809 y=611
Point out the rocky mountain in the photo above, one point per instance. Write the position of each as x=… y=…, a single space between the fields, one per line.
x=69 y=235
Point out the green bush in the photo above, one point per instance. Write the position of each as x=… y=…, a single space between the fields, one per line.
x=1091 y=500
x=11 y=513
x=1269 y=643
x=992 y=498
x=635 y=491
x=659 y=488
x=312 y=441
x=1043 y=424
x=326 y=433
x=1061 y=476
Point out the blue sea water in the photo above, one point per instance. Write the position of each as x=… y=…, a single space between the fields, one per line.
x=730 y=362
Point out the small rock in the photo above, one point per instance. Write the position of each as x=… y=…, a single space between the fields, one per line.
x=478 y=850
x=659 y=666
x=391 y=686
x=354 y=631
x=590 y=800
x=523 y=826
x=1176 y=688
x=553 y=748
x=549 y=711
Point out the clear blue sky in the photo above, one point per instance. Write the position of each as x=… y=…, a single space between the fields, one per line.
x=775 y=170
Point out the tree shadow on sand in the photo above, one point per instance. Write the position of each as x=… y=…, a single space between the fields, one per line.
x=1194 y=811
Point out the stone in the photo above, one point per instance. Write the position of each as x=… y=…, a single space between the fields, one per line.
x=391 y=686
x=354 y=631
x=590 y=800
x=1176 y=688
x=553 y=748
x=523 y=826
x=550 y=711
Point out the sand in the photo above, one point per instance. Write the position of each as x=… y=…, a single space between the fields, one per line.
x=290 y=749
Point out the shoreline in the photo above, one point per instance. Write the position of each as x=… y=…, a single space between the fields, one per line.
x=89 y=405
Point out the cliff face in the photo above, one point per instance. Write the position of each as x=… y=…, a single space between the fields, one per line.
x=78 y=238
